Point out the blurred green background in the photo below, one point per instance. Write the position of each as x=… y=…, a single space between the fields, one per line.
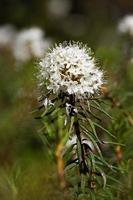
x=26 y=172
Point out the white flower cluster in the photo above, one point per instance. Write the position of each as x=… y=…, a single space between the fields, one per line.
x=7 y=34
x=25 y=44
x=71 y=68
x=126 y=25
x=30 y=43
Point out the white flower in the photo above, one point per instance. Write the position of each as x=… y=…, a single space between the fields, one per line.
x=7 y=34
x=70 y=110
x=58 y=8
x=47 y=102
x=30 y=43
x=71 y=68
x=126 y=25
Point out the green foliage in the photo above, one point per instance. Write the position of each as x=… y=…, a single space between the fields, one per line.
x=27 y=148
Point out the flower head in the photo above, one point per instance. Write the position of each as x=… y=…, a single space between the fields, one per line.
x=71 y=68
x=30 y=43
x=126 y=25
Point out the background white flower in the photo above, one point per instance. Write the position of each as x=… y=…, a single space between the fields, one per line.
x=7 y=34
x=71 y=68
x=58 y=8
x=126 y=25
x=30 y=43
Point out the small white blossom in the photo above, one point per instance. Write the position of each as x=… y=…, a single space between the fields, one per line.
x=71 y=68
x=30 y=43
x=126 y=25
x=47 y=102
x=7 y=34
x=65 y=121
x=70 y=109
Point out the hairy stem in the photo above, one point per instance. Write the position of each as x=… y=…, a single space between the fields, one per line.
x=82 y=163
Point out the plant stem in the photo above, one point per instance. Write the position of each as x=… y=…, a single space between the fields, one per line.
x=60 y=165
x=82 y=164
